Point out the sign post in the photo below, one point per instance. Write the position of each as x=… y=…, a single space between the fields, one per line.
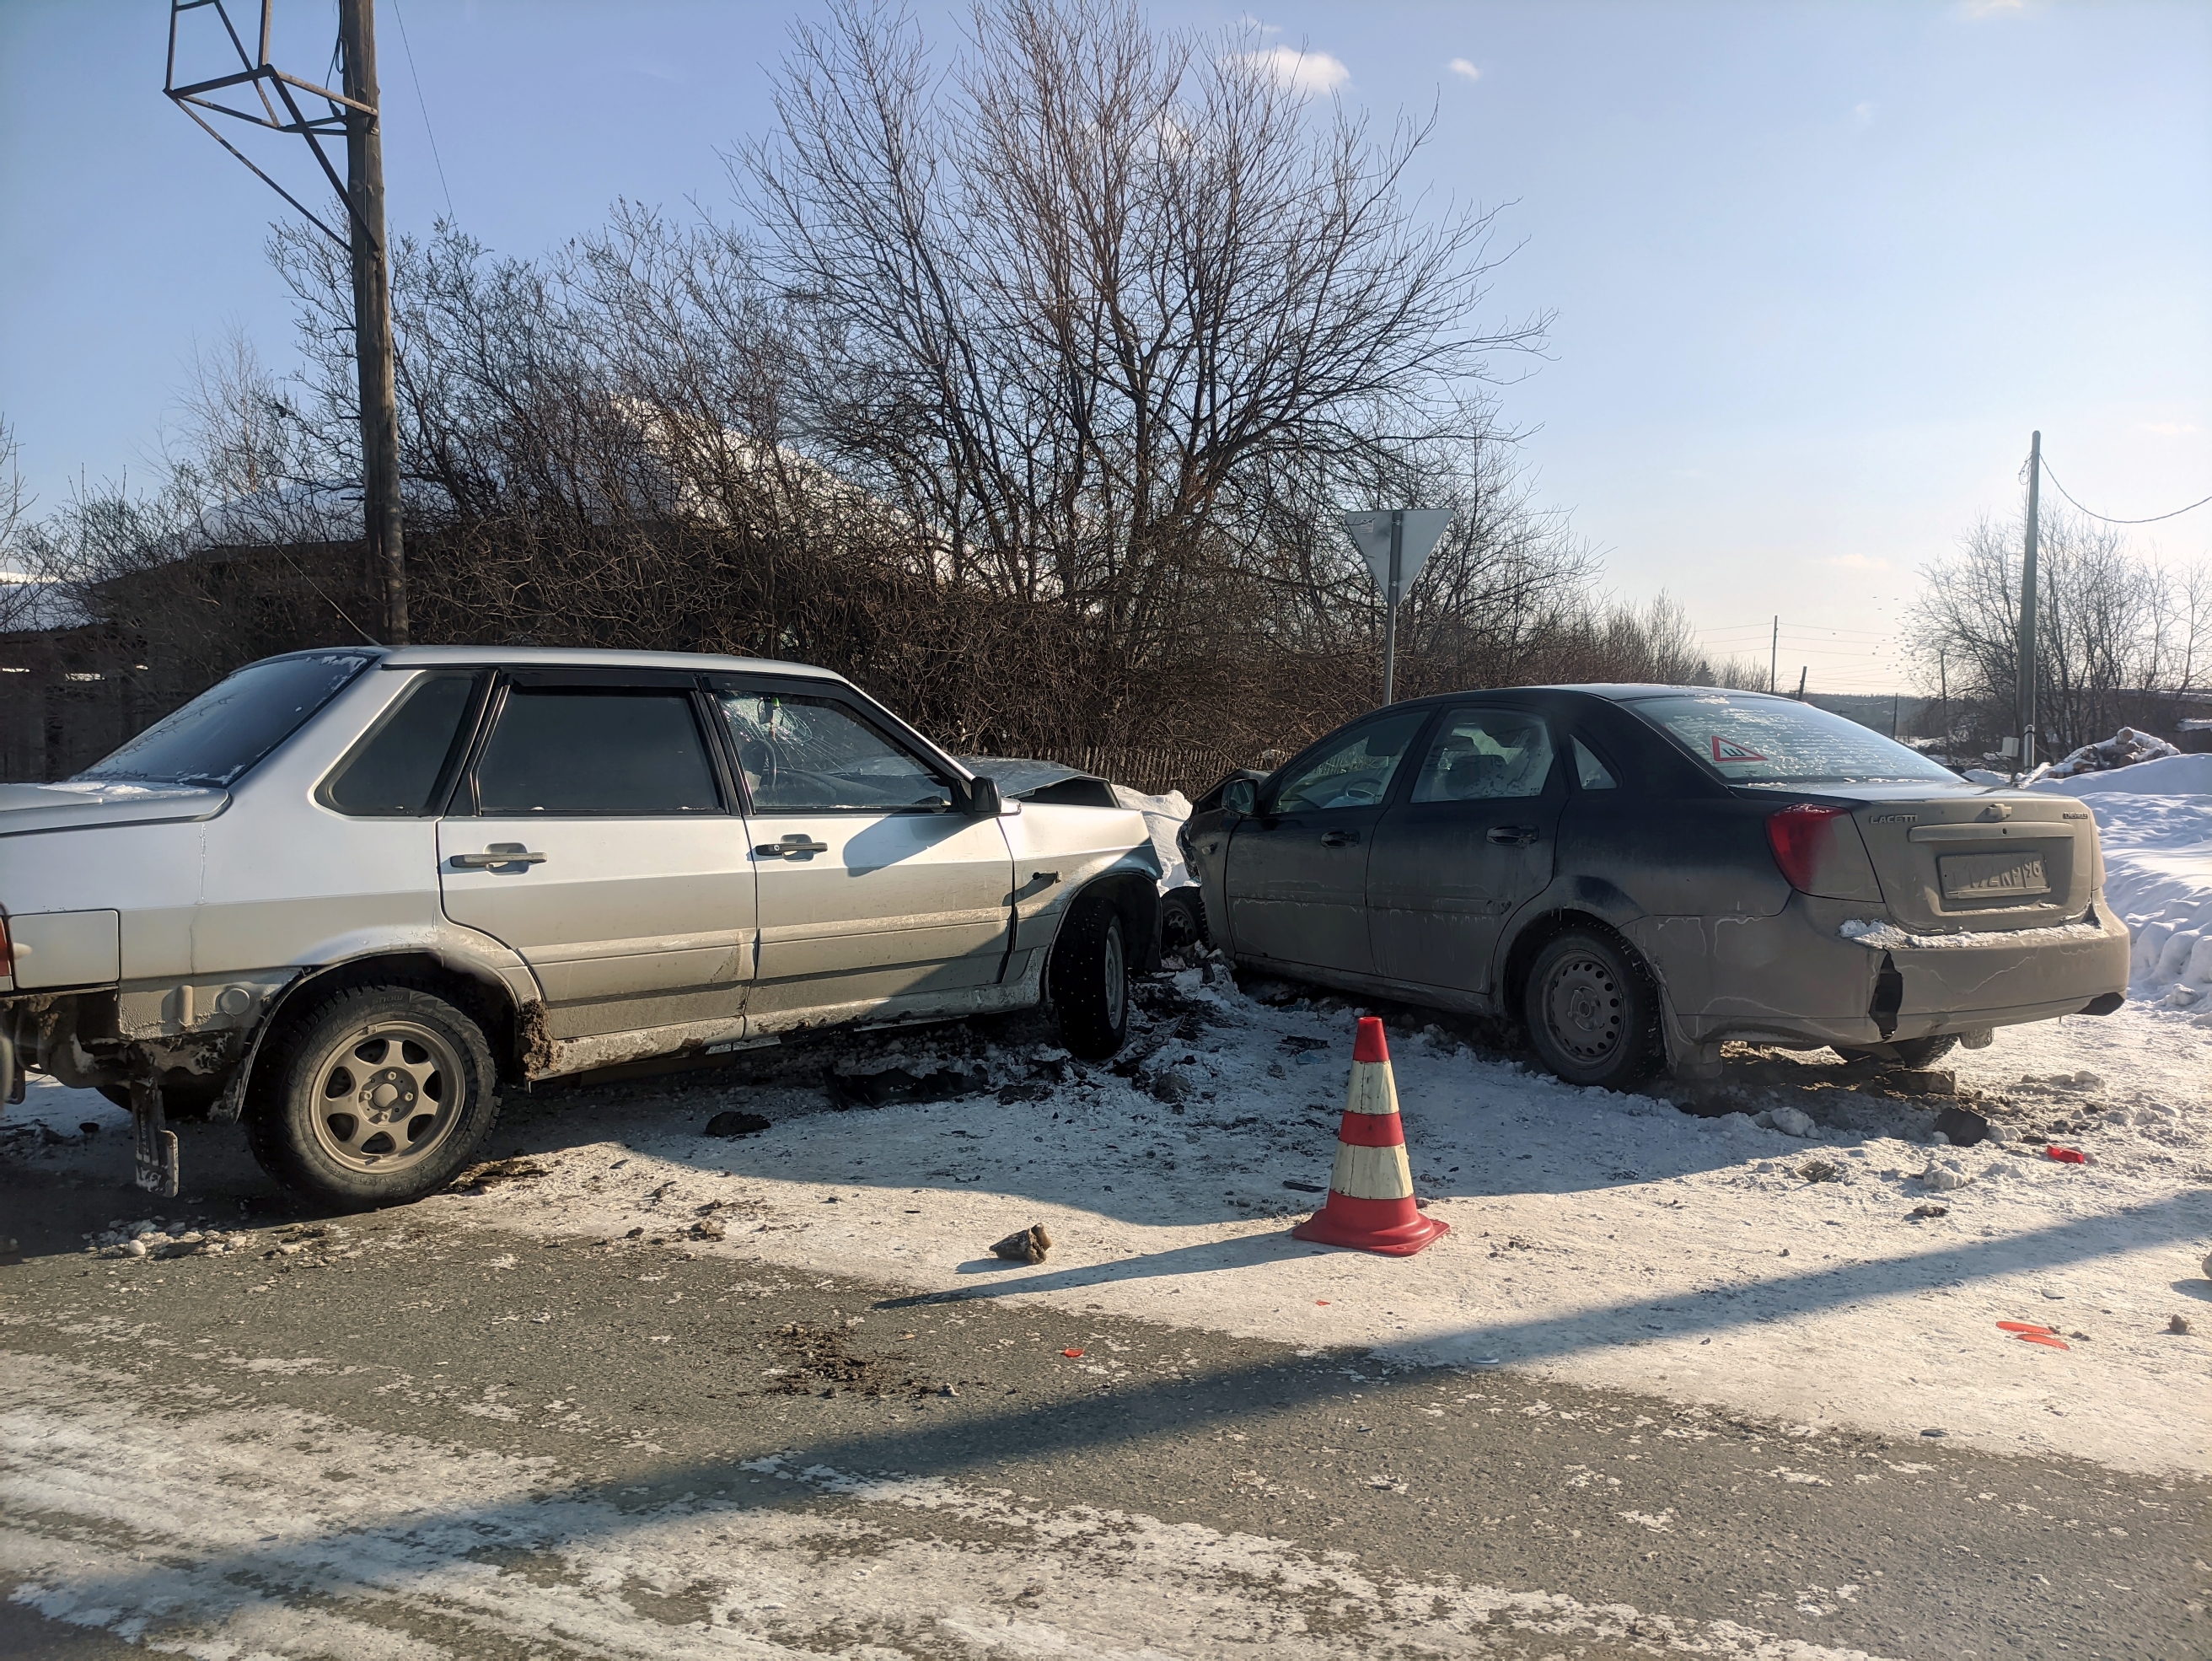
x=1395 y=543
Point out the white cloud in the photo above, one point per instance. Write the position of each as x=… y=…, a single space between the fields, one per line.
x=1856 y=563
x=1248 y=21
x=1994 y=8
x=1302 y=71
x=2166 y=428
x=1459 y=66
x=1864 y=111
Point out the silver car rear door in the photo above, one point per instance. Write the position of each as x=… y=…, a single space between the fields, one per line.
x=594 y=834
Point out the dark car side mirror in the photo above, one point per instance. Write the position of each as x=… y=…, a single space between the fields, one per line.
x=1240 y=796
x=983 y=799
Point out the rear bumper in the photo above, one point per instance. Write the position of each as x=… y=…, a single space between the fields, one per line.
x=1796 y=978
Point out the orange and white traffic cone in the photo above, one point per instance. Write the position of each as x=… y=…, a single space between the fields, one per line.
x=1371 y=1189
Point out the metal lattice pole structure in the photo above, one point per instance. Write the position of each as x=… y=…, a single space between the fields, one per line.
x=351 y=113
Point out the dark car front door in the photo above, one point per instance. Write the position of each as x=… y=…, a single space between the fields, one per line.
x=1470 y=842
x=1296 y=878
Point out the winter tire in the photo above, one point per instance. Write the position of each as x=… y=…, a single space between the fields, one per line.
x=1592 y=1012
x=375 y=1096
x=1183 y=923
x=1914 y=1053
x=1090 y=974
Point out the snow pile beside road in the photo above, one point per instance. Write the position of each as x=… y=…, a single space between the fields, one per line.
x=2155 y=820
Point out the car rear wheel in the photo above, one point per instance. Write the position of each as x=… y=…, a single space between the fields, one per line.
x=1592 y=1012
x=377 y=1096
x=1090 y=980
x=1906 y=1052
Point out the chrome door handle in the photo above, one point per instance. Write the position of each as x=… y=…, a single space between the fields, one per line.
x=796 y=843
x=1513 y=836
x=499 y=853
x=1340 y=838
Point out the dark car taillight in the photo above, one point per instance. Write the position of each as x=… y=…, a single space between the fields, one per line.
x=1799 y=836
x=7 y=949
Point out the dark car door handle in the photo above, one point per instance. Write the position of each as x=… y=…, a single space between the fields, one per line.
x=797 y=843
x=1340 y=838
x=1513 y=836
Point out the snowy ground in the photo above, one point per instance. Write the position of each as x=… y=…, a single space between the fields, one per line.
x=1598 y=1239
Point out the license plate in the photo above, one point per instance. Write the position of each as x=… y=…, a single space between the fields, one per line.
x=1994 y=876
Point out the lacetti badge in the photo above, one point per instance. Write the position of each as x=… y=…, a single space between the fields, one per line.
x=1729 y=750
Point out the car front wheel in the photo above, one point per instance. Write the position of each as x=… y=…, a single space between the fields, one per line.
x=376 y=1096
x=1090 y=980
x=1592 y=1012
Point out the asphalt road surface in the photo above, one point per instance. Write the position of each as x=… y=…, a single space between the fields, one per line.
x=371 y=1436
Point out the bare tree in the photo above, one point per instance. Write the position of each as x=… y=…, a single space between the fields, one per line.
x=2117 y=633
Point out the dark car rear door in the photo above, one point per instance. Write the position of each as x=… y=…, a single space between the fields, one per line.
x=1296 y=878
x=1467 y=844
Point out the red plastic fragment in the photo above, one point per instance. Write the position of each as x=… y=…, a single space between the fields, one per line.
x=1073 y=1354
x=2065 y=1155
x=1324 y=1302
x=2050 y=1339
x=2023 y=1327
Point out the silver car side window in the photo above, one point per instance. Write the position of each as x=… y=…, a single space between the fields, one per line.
x=1486 y=755
x=1589 y=772
x=1354 y=774
x=563 y=750
x=801 y=754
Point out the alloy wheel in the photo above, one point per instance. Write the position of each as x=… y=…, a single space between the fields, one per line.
x=387 y=1098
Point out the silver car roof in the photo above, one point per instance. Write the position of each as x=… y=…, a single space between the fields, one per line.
x=583 y=657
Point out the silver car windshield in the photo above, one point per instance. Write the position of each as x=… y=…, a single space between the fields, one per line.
x=1760 y=741
x=219 y=734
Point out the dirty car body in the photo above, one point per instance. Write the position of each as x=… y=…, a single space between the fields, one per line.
x=446 y=870
x=1726 y=866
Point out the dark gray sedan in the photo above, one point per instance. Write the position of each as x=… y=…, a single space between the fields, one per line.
x=1642 y=873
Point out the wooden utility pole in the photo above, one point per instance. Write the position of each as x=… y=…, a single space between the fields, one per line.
x=1774 y=656
x=372 y=313
x=2026 y=721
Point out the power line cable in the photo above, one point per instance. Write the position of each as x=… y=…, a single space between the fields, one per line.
x=2107 y=518
x=423 y=105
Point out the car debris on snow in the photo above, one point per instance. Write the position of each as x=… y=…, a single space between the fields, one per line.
x=1025 y=1245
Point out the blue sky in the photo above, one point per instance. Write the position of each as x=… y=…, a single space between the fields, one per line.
x=1817 y=269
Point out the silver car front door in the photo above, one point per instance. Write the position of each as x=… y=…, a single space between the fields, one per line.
x=877 y=895
x=593 y=836
x=1471 y=841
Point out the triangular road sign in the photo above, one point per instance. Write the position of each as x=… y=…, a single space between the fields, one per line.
x=1425 y=527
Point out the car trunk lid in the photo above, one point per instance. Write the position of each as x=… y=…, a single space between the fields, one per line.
x=83 y=805
x=1981 y=862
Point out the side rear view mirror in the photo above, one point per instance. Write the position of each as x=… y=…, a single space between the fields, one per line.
x=983 y=798
x=1240 y=796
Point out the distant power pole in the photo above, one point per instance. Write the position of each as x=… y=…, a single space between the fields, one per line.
x=350 y=111
x=372 y=312
x=2026 y=724
x=1774 y=655
x=1943 y=686
x=1803 y=671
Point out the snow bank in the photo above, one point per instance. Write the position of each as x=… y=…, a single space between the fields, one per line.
x=2170 y=775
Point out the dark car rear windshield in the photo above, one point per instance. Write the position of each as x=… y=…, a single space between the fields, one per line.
x=1760 y=741
x=223 y=731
